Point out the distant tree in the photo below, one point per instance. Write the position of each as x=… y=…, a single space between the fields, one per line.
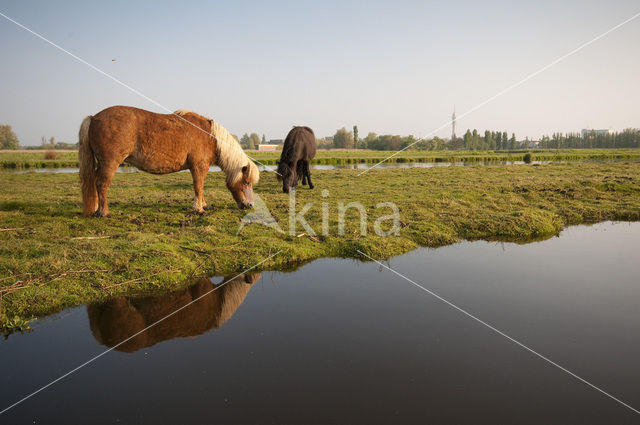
x=468 y=140
x=456 y=144
x=48 y=143
x=356 y=140
x=476 y=139
x=409 y=142
x=343 y=139
x=264 y=139
x=254 y=141
x=244 y=141
x=437 y=144
x=369 y=140
x=512 y=142
x=8 y=139
x=388 y=142
x=324 y=144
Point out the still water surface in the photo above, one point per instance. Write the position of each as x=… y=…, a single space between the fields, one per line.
x=340 y=341
x=216 y=169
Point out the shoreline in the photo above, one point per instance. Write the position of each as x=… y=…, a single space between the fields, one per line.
x=153 y=242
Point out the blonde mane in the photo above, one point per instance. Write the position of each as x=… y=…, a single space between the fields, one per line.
x=230 y=156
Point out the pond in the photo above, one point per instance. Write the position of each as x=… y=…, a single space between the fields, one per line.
x=343 y=341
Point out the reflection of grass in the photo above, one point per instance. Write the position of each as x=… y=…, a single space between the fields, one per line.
x=54 y=258
x=22 y=160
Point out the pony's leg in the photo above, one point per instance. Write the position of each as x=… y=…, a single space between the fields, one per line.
x=106 y=171
x=307 y=173
x=299 y=172
x=304 y=175
x=199 y=173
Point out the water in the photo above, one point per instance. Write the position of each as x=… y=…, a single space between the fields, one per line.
x=216 y=169
x=340 y=341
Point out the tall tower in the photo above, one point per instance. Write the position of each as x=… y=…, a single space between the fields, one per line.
x=453 y=125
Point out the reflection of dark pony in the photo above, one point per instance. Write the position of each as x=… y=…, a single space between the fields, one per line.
x=298 y=151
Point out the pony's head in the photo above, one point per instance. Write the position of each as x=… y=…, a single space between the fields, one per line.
x=242 y=186
x=288 y=175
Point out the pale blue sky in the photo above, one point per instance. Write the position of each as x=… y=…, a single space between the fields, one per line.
x=389 y=67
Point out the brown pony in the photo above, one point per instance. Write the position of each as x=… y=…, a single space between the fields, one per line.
x=159 y=144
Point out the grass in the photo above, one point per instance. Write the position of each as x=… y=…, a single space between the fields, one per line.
x=333 y=157
x=51 y=258
x=40 y=159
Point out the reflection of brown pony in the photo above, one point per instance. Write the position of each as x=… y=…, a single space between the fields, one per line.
x=117 y=319
x=159 y=144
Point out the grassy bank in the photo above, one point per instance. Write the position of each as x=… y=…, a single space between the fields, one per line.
x=333 y=157
x=38 y=159
x=52 y=258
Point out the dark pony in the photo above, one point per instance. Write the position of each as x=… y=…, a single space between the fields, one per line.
x=298 y=151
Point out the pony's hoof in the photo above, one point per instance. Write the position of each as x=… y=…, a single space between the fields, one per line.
x=100 y=214
x=311 y=186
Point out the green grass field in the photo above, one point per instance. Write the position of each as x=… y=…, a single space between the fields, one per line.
x=52 y=258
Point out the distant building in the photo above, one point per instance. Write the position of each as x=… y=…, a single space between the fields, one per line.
x=587 y=132
x=275 y=142
x=268 y=148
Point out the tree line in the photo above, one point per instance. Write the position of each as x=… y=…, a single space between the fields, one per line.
x=349 y=139
x=628 y=138
x=473 y=140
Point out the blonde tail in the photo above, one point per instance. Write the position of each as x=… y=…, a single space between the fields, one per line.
x=88 y=172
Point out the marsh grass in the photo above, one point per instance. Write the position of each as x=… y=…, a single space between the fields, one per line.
x=153 y=242
x=50 y=155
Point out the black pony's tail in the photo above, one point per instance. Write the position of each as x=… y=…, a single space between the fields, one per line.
x=282 y=170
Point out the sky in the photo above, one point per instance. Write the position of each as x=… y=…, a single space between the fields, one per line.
x=388 y=67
